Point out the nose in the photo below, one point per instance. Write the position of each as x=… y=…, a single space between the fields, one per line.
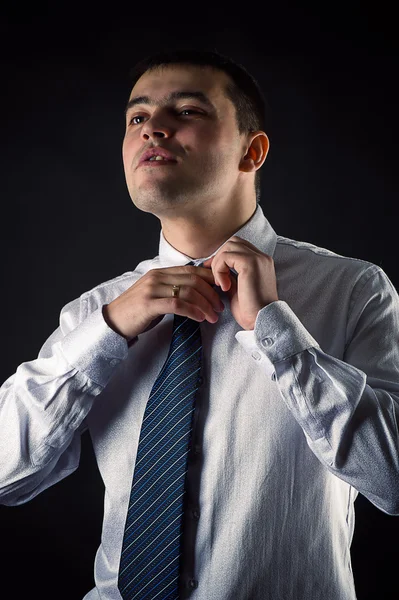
x=155 y=128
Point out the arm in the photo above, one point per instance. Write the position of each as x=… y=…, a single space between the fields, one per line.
x=43 y=405
x=348 y=409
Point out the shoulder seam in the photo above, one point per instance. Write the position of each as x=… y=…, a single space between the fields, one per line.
x=320 y=251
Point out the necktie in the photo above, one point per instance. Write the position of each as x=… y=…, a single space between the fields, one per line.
x=149 y=565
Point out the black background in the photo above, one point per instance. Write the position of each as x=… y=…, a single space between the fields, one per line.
x=330 y=77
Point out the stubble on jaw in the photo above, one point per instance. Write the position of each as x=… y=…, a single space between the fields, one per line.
x=170 y=193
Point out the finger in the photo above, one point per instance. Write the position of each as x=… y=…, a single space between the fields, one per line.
x=205 y=273
x=222 y=274
x=232 y=291
x=194 y=279
x=191 y=303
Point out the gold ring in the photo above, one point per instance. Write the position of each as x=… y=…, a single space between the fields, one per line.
x=175 y=291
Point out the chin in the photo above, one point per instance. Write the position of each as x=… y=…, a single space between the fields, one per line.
x=165 y=193
x=153 y=201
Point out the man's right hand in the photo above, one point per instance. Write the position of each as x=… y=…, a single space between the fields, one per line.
x=146 y=302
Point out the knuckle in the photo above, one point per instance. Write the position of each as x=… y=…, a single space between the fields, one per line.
x=174 y=302
x=151 y=275
x=194 y=277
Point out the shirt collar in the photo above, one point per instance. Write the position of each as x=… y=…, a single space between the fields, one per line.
x=257 y=231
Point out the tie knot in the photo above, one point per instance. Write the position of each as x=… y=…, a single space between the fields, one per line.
x=191 y=263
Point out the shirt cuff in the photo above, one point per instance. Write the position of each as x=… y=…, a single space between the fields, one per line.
x=278 y=334
x=94 y=348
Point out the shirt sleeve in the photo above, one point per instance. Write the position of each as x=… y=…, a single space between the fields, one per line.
x=43 y=405
x=348 y=409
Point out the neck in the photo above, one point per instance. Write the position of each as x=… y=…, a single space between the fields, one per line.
x=199 y=236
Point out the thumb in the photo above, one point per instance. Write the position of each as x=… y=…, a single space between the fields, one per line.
x=232 y=291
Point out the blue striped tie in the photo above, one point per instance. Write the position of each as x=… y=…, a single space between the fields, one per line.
x=149 y=566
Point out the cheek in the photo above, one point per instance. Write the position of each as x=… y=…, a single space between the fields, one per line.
x=222 y=146
x=124 y=149
x=216 y=149
x=222 y=159
x=127 y=153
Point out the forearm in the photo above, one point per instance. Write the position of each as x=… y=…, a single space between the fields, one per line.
x=43 y=405
x=349 y=418
x=350 y=426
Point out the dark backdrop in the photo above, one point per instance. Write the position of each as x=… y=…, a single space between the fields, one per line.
x=69 y=224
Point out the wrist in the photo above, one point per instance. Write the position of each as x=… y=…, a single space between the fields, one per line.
x=111 y=324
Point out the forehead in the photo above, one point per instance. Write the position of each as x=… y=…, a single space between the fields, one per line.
x=161 y=81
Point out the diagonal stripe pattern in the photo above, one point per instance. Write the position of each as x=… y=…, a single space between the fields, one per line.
x=149 y=565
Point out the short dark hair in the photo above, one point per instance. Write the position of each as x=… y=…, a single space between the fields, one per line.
x=243 y=90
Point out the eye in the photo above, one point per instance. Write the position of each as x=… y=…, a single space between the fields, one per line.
x=135 y=117
x=190 y=110
x=185 y=110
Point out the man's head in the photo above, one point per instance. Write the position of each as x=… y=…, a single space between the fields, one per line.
x=209 y=113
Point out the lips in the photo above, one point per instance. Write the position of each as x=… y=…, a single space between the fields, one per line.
x=158 y=151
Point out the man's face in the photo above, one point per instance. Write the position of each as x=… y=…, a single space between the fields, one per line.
x=200 y=131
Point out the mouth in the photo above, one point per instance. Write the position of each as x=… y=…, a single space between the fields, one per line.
x=157 y=163
x=157 y=156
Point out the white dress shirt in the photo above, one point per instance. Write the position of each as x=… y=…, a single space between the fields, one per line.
x=294 y=419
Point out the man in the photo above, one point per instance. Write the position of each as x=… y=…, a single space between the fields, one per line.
x=295 y=408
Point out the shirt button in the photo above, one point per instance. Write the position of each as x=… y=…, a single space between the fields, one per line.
x=114 y=362
x=256 y=355
x=200 y=380
x=196 y=514
x=192 y=584
x=266 y=342
x=273 y=376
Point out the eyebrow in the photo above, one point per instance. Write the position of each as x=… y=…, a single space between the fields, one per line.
x=181 y=95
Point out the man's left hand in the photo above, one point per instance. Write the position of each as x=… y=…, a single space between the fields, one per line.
x=256 y=285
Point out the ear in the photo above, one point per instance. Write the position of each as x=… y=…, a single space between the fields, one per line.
x=256 y=152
